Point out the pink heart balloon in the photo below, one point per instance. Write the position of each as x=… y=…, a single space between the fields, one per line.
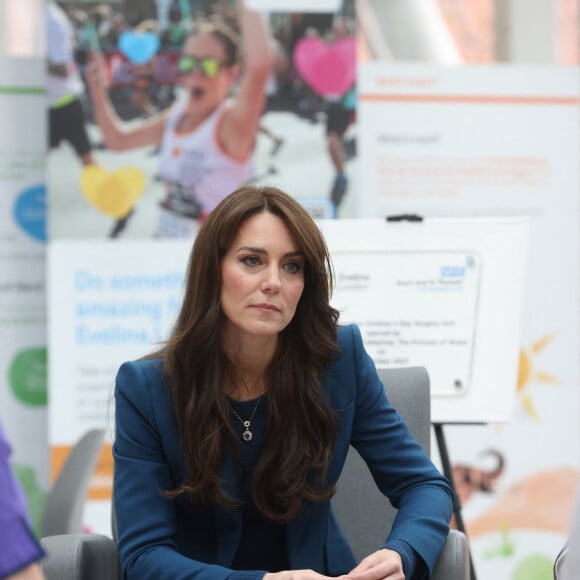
x=329 y=69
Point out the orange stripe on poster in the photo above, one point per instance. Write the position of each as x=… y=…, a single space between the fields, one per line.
x=471 y=99
x=102 y=481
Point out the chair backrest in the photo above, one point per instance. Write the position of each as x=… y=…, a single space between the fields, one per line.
x=80 y=557
x=63 y=511
x=364 y=514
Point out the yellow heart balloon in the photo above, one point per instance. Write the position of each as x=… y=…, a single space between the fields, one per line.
x=92 y=177
x=113 y=194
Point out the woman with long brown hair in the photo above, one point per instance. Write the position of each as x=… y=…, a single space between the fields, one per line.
x=230 y=439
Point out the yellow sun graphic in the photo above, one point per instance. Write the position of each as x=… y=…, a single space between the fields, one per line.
x=528 y=374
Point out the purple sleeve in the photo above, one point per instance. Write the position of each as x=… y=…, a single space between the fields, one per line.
x=19 y=546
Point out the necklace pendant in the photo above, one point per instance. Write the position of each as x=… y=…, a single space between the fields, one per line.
x=247 y=435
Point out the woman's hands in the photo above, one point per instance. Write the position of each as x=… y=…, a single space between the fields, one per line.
x=381 y=565
x=300 y=575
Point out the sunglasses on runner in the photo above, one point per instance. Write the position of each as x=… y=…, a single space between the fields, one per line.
x=209 y=66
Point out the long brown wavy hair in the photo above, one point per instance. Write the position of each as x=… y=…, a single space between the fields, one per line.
x=301 y=430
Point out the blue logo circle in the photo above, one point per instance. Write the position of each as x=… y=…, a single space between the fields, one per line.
x=30 y=212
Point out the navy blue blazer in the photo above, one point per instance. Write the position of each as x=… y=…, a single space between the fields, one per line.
x=169 y=539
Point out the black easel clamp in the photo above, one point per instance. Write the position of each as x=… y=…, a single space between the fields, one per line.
x=404 y=217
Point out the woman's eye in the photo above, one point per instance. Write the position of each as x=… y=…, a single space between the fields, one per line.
x=293 y=267
x=251 y=260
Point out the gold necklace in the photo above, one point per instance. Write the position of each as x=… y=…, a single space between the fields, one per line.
x=247 y=435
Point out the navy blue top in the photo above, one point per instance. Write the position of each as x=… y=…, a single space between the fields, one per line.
x=263 y=542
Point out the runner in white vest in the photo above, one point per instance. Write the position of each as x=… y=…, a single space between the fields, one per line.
x=196 y=170
x=207 y=137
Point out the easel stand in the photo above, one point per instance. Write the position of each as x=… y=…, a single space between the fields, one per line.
x=448 y=472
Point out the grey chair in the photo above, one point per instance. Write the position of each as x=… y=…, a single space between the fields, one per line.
x=364 y=513
x=80 y=557
x=560 y=562
x=63 y=510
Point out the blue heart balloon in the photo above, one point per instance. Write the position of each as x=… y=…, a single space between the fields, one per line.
x=138 y=47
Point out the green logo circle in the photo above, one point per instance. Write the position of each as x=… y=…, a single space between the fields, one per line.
x=534 y=567
x=27 y=376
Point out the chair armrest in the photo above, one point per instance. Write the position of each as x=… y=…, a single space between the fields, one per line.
x=80 y=557
x=559 y=563
x=453 y=562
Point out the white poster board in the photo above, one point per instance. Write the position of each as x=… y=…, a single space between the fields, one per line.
x=463 y=139
x=107 y=303
x=428 y=303
x=446 y=294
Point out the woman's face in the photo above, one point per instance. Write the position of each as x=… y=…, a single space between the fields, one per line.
x=208 y=85
x=262 y=278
